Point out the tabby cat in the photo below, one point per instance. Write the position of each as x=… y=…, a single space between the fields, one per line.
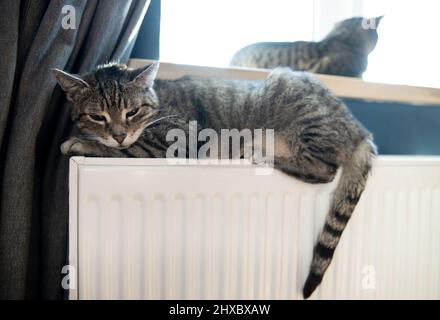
x=116 y=111
x=344 y=51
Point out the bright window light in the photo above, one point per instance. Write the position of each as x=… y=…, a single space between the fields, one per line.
x=209 y=32
x=408 y=51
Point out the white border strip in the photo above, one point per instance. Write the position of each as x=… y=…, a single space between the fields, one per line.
x=391 y=160
x=74 y=164
x=342 y=86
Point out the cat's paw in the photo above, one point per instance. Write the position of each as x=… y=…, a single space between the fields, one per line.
x=73 y=146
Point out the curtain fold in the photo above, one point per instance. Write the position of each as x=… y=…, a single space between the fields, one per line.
x=34 y=121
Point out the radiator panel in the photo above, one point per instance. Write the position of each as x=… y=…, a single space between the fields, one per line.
x=145 y=229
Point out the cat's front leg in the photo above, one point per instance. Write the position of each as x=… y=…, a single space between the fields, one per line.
x=73 y=147
x=79 y=147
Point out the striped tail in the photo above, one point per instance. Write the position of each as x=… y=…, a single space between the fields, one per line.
x=350 y=187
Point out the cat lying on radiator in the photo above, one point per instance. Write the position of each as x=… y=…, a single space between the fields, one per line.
x=127 y=113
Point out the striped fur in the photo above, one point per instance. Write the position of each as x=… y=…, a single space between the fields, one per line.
x=343 y=52
x=350 y=187
x=315 y=134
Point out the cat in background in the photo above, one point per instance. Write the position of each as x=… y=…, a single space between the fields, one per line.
x=122 y=113
x=343 y=52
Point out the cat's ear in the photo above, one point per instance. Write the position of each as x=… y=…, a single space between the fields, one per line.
x=377 y=20
x=146 y=76
x=71 y=84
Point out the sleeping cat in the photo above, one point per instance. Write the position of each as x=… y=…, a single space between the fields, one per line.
x=116 y=111
x=344 y=51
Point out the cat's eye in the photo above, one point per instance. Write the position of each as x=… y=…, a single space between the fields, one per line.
x=132 y=113
x=97 y=117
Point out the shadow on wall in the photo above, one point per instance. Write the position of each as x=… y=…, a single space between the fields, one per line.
x=400 y=128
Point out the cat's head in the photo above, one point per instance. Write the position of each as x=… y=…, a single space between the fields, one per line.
x=112 y=104
x=358 y=31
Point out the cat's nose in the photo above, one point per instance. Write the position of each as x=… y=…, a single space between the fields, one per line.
x=120 y=137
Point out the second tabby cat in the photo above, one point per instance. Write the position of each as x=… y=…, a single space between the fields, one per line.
x=344 y=51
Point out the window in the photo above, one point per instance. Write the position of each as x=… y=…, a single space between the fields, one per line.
x=205 y=32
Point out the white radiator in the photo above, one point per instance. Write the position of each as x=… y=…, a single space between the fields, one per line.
x=145 y=229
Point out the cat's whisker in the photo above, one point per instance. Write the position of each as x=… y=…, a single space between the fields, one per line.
x=157 y=120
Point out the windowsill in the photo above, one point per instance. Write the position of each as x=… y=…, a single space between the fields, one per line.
x=343 y=87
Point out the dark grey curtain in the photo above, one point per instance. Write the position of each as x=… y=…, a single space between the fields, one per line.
x=34 y=120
